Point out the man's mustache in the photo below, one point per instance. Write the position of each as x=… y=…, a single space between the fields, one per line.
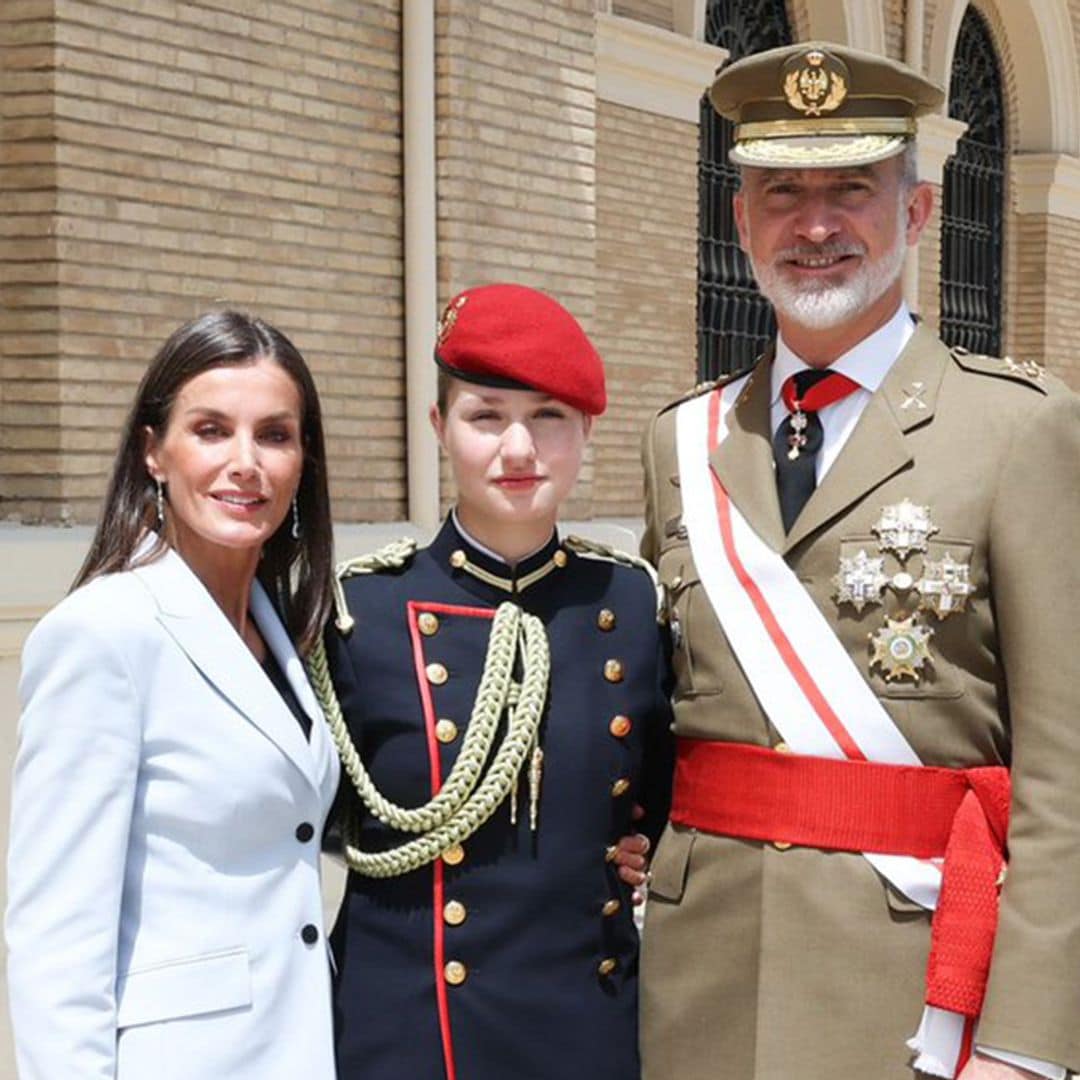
x=819 y=251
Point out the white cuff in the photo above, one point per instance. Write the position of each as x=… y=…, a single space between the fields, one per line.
x=1022 y=1061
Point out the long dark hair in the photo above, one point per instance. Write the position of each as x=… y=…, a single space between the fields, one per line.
x=296 y=573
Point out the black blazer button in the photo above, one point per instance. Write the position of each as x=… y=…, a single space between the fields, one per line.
x=305 y=831
x=310 y=934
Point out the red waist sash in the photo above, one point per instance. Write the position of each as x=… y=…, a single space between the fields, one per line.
x=960 y=815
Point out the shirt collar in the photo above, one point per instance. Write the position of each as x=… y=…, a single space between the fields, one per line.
x=867 y=363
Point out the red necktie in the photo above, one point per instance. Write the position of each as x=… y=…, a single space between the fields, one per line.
x=799 y=437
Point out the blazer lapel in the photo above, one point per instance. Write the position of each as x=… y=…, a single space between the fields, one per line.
x=192 y=618
x=318 y=750
x=743 y=462
x=877 y=448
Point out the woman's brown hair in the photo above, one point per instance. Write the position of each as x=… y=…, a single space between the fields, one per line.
x=296 y=573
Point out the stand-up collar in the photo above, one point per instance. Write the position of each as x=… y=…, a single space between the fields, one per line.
x=470 y=564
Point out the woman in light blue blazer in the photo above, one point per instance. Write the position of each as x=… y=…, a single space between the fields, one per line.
x=173 y=772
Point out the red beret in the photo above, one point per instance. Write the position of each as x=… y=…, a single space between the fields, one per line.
x=516 y=337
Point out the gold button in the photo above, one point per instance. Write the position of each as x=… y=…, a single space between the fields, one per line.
x=620 y=787
x=559 y=559
x=446 y=731
x=676 y=583
x=781 y=845
x=458 y=559
x=610 y=852
x=455 y=972
x=437 y=674
x=454 y=913
x=613 y=670
x=428 y=623
x=620 y=726
x=606 y=619
x=453 y=855
x=607 y=965
x=782 y=748
x=610 y=908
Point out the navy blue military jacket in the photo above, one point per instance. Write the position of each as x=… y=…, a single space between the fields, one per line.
x=514 y=954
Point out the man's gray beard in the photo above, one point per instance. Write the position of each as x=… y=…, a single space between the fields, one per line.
x=825 y=305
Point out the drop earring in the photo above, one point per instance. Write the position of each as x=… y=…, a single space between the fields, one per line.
x=160 y=504
x=295 y=531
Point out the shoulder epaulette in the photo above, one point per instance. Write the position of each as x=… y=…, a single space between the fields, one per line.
x=708 y=385
x=590 y=549
x=1026 y=372
x=392 y=556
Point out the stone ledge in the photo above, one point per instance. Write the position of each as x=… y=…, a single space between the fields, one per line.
x=1046 y=184
x=645 y=67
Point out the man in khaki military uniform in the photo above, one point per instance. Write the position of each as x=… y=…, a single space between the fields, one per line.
x=874 y=601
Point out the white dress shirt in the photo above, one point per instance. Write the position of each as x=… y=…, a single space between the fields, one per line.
x=867 y=364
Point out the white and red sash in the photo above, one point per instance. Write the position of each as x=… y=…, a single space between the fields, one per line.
x=802 y=675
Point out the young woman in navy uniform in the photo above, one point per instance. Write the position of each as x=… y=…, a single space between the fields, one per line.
x=511 y=684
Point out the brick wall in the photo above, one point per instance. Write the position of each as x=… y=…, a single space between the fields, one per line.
x=205 y=157
x=30 y=405
x=929 y=307
x=1062 y=296
x=646 y=285
x=1048 y=294
x=1027 y=278
x=516 y=150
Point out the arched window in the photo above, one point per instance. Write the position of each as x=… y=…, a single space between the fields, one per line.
x=973 y=195
x=734 y=320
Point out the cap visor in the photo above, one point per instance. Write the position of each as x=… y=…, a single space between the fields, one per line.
x=816 y=151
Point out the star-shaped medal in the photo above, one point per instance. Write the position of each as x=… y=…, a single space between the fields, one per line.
x=901 y=649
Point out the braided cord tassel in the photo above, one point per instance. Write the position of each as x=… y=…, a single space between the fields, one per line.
x=461 y=806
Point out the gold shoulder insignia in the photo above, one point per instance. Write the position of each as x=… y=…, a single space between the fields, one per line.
x=1027 y=372
x=705 y=387
x=392 y=556
x=590 y=549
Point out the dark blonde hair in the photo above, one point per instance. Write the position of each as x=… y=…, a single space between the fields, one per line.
x=296 y=573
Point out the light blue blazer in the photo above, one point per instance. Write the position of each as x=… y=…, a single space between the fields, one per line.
x=164 y=919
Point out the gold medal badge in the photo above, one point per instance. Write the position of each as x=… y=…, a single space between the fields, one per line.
x=901 y=649
x=815 y=82
x=448 y=318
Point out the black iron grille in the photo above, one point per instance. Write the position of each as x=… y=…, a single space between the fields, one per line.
x=973 y=196
x=735 y=321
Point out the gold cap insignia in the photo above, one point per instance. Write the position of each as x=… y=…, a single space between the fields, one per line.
x=449 y=317
x=815 y=82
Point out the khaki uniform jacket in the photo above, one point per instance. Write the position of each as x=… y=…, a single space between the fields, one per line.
x=768 y=964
